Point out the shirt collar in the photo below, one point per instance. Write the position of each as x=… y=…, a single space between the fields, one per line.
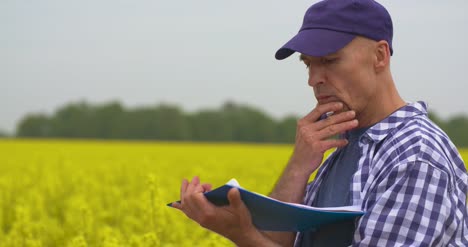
x=381 y=129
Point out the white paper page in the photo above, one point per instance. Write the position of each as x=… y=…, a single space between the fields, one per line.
x=333 y=209
x=233 y=182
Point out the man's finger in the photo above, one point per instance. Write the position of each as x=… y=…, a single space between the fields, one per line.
x=200 y=205
x=206 y=187
x=194 y=183
x=234 y=198
x=195 y=180
x=335 y=129
x=315 y=114
x=177 y=205
x=236 y=203
x=335 y=119
x=183 y=188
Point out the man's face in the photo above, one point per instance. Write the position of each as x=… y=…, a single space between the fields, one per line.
x=347 y=76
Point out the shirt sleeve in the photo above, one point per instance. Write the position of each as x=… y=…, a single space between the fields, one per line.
x=411 y=206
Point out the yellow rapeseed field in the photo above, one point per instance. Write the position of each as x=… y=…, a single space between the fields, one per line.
x=95 y=193
x=92 y=193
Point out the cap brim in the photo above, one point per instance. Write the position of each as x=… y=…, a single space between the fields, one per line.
x=315 y=42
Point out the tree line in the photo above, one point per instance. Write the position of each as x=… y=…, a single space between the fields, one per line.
x=3 y=134
x=231 y=122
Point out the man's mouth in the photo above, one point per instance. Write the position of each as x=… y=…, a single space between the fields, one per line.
x=323 y=99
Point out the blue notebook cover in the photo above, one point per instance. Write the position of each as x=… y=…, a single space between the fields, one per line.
x=269 y=214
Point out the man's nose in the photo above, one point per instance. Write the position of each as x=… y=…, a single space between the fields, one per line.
x=317 y=75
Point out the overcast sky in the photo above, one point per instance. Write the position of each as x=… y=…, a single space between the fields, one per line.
x=198 y=54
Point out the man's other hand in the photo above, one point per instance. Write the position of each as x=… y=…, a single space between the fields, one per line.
x=233 y=221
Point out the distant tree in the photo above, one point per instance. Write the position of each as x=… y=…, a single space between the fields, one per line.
x=86 y=121
x=249 y=124
x=456 y=128
x=163 y=122
x=138 y=123
x=3 y=134
x=34 y=125
x=286 y=129
x=105 y=118
x=73 y=120
x=437 y=120
x=211 y=125
x=172 y=123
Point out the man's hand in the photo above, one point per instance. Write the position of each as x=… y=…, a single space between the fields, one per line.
x=313 y=135
x=233 y=221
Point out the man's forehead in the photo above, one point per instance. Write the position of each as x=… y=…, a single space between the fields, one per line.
x=355 y=45
x=303 y=57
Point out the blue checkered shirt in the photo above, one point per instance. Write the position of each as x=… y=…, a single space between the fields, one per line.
x=411 y=182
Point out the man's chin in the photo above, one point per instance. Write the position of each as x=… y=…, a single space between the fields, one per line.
x=345 y=106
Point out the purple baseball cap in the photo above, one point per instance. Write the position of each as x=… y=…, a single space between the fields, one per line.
x=330 y=25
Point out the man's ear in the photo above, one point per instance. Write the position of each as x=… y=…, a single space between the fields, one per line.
x=382 y=54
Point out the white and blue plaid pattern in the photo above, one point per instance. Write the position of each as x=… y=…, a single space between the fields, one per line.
x=411 y=182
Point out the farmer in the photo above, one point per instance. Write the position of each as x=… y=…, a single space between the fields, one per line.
x=391 y=160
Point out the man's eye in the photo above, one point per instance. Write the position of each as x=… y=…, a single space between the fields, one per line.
x=328 y=60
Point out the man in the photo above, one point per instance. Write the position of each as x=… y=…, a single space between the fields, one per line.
x=393 y=161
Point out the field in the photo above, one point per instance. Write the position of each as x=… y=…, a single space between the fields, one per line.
x=92 y=193
x=77 y=193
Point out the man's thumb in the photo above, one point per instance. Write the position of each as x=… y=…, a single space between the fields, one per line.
x=234 y=198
